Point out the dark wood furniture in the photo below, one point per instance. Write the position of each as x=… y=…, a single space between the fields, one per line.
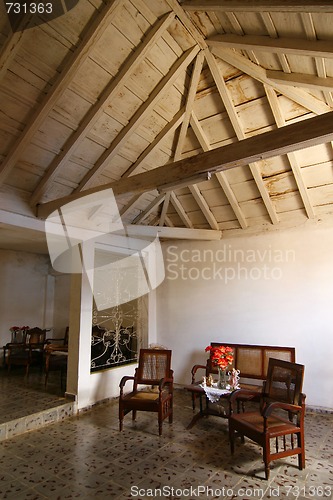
x=279 y=417
x=56 y=356
x=250 y=360
x=152 y=387
x=29 y=352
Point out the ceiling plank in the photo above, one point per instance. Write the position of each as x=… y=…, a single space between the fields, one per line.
x=139 y=116
x=274 y=104
x=254 y=167
x=296 y=46
x=300 y=135
x=259 y=5
x=12 y=45
x=300 y=96
x=300 y=80
x=96 y=111
x=68 y=72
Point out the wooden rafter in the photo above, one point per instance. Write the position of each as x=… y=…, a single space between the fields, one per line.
x=221 y=177
x=180 y=210
x=96 y=111
x=307 y=20
x=139 y=116
x=304 y=134
x=271 y=30
x=300 y=80
x=259 y=6
x=168 y=129
x=254 y=167
x=67 y=74
x=303 y=98
x=164 y=209
x=151 y=207
x=297 y=46
x=274 y=104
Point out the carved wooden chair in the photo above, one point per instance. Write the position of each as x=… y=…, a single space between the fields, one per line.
x=280 y=417
x=28 y=353
x=152 y=387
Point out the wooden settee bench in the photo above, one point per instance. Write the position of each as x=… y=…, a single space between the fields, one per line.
x=252 y=362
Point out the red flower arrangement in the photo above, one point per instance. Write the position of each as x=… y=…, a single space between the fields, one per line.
x=221 y=356
x=16 y=328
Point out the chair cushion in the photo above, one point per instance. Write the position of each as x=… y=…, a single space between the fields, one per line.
x=255 y=421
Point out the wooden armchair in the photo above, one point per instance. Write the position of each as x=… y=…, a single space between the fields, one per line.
x=56 y=356
x=154 y=369
x=280 y=416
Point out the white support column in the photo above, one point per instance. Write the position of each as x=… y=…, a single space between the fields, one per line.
x=79 y=352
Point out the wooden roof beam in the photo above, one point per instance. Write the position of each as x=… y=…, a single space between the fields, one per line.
x=221 y=177
x=280 y=121
x=300 y=80
x=300 y=96
x=151 y=207
x=300 y=135
x=229 y=106
x=296 y=46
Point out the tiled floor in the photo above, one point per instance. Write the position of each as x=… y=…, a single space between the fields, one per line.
x=26 y=404
x=86 y=457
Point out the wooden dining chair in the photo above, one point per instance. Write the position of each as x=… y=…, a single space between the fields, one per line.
x=30 y=352
x=152 y=387
x=279 y=418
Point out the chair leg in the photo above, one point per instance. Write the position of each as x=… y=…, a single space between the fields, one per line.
x=301 y=456
x=121 y=418
x=232 y=439
x=267 y=471
x=133 y=414
x=266 y=456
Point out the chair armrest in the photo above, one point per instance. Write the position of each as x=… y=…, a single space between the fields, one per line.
x=59 y=341
x=243 y=395
x=282 y=406
x=123 y=381
x=194 y=370
x=49 y=348
x=163 y=382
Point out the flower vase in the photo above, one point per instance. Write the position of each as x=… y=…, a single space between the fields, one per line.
x=223 y=380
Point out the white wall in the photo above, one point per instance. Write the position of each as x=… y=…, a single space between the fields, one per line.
x=30 y=295
x=26 y=291
x=274 y=289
